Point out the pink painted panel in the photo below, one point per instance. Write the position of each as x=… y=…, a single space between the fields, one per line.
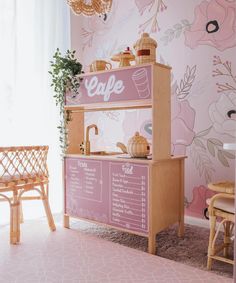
x=118 y=85
x=114 y=193
x=128 y=183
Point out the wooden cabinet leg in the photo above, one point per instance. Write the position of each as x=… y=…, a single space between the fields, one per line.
x=66 y=222
x=152 y=244
x=181 y=228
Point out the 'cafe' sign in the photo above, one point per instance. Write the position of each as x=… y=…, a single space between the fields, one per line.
x=118 y=85
x=105 y=89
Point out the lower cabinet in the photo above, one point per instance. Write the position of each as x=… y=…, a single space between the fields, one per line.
x=142 y=197
x=110 y=192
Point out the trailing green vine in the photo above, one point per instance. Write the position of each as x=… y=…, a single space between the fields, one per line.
x=64 y=71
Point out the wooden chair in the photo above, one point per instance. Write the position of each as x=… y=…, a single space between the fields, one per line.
x=23 y=169
x=221 y=205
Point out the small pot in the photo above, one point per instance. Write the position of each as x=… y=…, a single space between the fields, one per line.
x=138 y=146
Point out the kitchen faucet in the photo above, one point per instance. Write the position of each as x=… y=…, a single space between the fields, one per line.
x=87 y=142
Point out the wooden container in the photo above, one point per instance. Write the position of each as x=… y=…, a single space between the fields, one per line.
x=100 y=65
x=138 y=146
x=145 y=49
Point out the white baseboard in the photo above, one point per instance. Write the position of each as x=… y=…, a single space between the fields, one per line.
x=196 y=221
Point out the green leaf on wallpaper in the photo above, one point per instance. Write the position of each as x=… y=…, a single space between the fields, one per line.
x=229 y=155
x=211 y=148
x=204 y=133
x=169 y=31
x=216 y=141
x=208 y=176
x=185 y=22
x=178 y=26
x=178 y=33
x=222 y=158
x=198 y=142
x=165 y=40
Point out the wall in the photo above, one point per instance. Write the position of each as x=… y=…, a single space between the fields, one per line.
x=198 y=39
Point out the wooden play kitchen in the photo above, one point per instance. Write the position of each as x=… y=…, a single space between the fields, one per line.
x=141 y=195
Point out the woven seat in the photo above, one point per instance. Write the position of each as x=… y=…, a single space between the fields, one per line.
x=23 y=169
x=221 y=206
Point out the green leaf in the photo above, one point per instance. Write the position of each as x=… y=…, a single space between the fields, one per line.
x=228 y=154
x=222 y=158
x=211 y=148
x=215 y=141
x=199 y=143
x=204 y=133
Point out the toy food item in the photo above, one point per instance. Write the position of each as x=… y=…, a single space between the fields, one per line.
x=124 y=57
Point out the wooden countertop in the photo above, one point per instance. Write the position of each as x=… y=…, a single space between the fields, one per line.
x=123 y=158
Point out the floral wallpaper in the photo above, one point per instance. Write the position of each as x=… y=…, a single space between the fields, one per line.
x=197 y=38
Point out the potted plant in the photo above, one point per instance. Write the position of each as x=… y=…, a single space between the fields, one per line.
x=64 y=71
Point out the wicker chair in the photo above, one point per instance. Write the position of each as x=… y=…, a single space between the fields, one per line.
x=23 y=169
x=221 y=205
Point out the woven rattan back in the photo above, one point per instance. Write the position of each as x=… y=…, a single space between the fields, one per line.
x=20 y=163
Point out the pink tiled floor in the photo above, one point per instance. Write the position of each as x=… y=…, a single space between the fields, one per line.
x=71 y=256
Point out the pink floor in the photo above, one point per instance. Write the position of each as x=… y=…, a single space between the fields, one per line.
x=71 y=256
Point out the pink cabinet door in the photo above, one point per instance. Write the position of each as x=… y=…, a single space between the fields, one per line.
x=114 y=193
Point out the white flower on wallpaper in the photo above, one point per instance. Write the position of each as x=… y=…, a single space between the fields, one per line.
x=214 y=25
x=96 y=26
x=218 y=113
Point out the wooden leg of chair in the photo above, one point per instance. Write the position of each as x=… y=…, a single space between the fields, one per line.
x=211 y=237
x=227 y=238
x=21 y=213
x=49 y=214
x=14 y=223
x=44 y=197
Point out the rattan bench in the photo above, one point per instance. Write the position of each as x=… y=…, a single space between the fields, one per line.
x=23 y=169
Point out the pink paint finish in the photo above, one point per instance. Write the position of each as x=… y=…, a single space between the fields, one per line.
x=118 y=85
x=114 y=193
x=128 y=184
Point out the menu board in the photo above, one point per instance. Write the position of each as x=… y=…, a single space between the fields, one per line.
x=129 y=195
x=114 y=193
x=85 y=179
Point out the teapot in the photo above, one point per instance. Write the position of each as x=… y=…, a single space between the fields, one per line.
x=137 y=146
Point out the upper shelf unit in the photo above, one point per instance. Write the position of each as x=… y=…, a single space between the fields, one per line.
x=121 y=88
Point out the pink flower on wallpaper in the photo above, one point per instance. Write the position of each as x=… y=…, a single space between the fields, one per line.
x=143 y=5
x=182 y=124
x=198 y=203
x=214 y=25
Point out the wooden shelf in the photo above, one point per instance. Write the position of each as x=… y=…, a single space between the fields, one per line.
x=140 y=104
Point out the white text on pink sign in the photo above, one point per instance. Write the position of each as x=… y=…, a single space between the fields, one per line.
x=94 y=87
